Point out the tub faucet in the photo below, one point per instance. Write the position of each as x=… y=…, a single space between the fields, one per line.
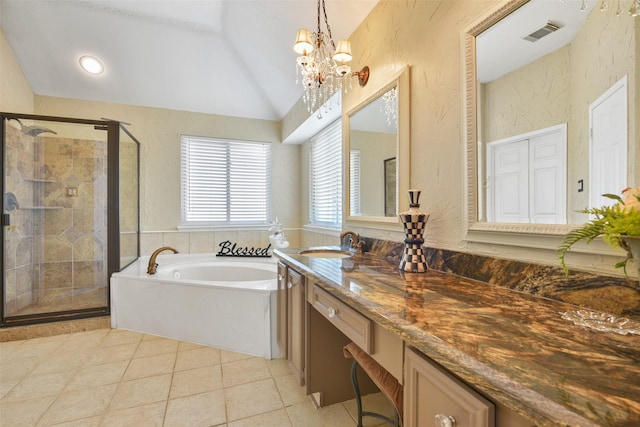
x=354 y=241
x=153 y=265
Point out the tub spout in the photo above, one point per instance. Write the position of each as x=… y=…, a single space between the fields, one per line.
x=153 y=265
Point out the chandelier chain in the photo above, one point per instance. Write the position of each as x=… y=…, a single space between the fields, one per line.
x=326 y=23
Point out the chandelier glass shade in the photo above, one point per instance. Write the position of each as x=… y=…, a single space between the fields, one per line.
x=323 y=68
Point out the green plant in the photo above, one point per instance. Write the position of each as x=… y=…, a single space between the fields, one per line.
x=613 y=223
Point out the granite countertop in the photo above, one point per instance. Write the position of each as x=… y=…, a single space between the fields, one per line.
x=511 y=346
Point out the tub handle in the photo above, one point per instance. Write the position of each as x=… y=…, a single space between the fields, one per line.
x=332 y=312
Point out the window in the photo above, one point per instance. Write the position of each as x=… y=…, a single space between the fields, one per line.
x=325 y=165
x=225 y=182
x=354 y=185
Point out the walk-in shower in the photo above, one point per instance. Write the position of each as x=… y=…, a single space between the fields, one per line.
x=70 y=215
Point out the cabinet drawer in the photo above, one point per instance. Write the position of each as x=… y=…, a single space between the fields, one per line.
x=434 y=397
x=351 y=323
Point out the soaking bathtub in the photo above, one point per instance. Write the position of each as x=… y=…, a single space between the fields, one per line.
x=229 y=303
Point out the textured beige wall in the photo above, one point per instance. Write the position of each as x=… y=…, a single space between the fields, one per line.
x=427 y=35
x=533 y=97
x=159 y=130
x=16 y=95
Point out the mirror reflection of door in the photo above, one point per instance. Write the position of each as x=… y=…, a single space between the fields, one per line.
x=608 y=148
x=526 y=83
x=526 y=177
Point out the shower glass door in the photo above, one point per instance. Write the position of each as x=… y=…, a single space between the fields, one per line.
x=55 y=218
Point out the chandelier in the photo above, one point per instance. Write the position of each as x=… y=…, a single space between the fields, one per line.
x=321 y=67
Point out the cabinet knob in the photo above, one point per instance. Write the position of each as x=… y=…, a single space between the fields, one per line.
x=332 y=312
x=445 y=421
x=290 y=285
x=279 y=276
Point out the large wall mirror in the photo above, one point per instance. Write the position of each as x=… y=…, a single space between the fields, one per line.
x=551 y=113
x=376 y=147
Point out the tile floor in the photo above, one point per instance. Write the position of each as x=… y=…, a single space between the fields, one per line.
x=110 y=377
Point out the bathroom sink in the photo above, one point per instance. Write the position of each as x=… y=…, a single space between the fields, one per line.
x=325 y=253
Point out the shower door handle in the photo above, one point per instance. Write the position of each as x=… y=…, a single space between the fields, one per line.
x=6 y=220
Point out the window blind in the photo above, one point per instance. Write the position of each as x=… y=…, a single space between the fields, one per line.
x=326 y=176
x=354 y=184
x=225 y=181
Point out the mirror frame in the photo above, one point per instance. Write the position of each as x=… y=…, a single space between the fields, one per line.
x=541 y=236
x=401 y=80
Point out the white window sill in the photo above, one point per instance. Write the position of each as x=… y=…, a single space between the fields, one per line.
x=323 y=230
x=260 y=227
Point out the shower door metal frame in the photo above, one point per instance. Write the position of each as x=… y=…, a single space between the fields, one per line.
x=113 y=218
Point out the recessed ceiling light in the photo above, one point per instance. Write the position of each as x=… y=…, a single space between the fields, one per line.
x=91 y=65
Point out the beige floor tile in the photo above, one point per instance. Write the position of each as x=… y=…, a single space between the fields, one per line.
x=16 y=369
x=8 y=347
x=60 y=362
x=231 y=356
x=86 y=339
x=151 y=415
x=277 y=418
x=84 y=422
x=184 y=346
x=279 y=367
x=95 y=375
x=112 y=354
x=141 y=392
x=306 y=415
x=251 y=399
x=376 y=402
x=290 y=392
x=23 y=414
x=156 y=347
x=150 y=366
x=200 y=410
x=197 y=358
x=196 y=381
x=33 y=349
x=34 y=386
x=149 y=337
x=78 y=404
x=244 y=371
x=117 y=337
x=7 y=386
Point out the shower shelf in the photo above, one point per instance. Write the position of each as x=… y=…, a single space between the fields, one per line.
x=38 y=180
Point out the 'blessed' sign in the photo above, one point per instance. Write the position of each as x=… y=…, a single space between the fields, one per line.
x=232 y=249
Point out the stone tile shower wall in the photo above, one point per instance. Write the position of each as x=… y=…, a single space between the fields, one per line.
x=56 y=258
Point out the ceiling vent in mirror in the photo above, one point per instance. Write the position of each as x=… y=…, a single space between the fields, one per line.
x=541 y=32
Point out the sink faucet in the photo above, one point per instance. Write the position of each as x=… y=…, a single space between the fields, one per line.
x=354 y=241
x=153 y=265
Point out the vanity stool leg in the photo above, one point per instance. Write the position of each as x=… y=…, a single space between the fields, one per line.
x=388 y=385
x=356 y=389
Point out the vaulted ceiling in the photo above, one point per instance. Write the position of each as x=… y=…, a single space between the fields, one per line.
x=227 y=57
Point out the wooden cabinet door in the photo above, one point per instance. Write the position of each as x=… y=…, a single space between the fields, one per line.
x=296 y=326
x=434 y=397
x=282 y=309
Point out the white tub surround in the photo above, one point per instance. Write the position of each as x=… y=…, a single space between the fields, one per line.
x=222 y=302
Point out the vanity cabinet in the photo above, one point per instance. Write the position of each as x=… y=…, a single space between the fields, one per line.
x=281 y=330
x=296 y=324
x=291 y=319
x=434 y=397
